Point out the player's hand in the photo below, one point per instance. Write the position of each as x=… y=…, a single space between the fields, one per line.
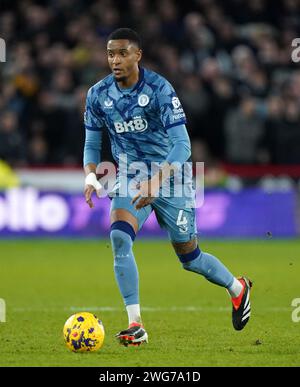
x=147 y=193
x=88 y=190
x=91 y=185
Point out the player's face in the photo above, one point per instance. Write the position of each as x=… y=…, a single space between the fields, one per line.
x=123 y=58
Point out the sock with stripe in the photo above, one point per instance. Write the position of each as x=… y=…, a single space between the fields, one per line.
x=126 y=272
x=209 y=266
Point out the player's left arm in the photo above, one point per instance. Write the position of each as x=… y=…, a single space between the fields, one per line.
x=181 y=150
x=173 y=121
x=179 y=154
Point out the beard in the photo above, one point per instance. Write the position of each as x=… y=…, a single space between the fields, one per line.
x=120 y=78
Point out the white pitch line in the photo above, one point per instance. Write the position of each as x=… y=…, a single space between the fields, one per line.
x=150 y=309
x=115 y=309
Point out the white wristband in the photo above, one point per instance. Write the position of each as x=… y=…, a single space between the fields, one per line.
x=91 y=179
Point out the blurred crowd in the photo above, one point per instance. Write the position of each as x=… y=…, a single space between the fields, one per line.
x=229 y=60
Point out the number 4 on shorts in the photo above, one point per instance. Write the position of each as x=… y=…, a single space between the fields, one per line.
x=181 y=219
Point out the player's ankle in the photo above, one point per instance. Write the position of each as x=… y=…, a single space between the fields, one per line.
x=135 y=324
x=134 y=313
x=236 y=288
x=236 y=301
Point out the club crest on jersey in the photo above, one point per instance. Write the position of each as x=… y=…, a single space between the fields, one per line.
x=108 y=103
x=137 y=124
x=143 y=100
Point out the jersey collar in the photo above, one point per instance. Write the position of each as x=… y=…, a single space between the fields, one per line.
x=137 y=85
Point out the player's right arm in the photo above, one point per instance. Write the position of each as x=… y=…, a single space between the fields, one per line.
x=92 y=147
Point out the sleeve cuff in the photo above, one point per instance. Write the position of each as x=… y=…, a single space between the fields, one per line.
x=93 y=128
x=175 y=124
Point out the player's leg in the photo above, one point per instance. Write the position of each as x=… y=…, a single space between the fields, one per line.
x=197 y=261
x=193 y=259
x=124 y=227
x=180 y=223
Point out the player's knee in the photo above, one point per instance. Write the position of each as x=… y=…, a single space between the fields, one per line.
x=121 y=236
x=119 y=240
x=187 y=252
x=188 y=259
x=185 y=247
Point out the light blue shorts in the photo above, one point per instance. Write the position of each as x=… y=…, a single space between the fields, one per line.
x=172 y=214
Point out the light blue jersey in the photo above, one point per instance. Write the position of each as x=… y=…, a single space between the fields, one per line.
x=146 y=123
x=137 y=120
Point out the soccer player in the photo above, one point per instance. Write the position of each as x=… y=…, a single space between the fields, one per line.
x=145 y=120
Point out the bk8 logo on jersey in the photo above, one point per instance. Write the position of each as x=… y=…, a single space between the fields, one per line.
x=138 y=124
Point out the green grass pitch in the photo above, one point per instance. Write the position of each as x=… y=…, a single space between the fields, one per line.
x=188 y=319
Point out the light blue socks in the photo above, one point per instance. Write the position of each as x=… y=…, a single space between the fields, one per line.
x=208 y=266
x=126 y=272
x=122 y=236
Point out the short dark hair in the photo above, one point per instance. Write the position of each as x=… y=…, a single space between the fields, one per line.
x=126 y=33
